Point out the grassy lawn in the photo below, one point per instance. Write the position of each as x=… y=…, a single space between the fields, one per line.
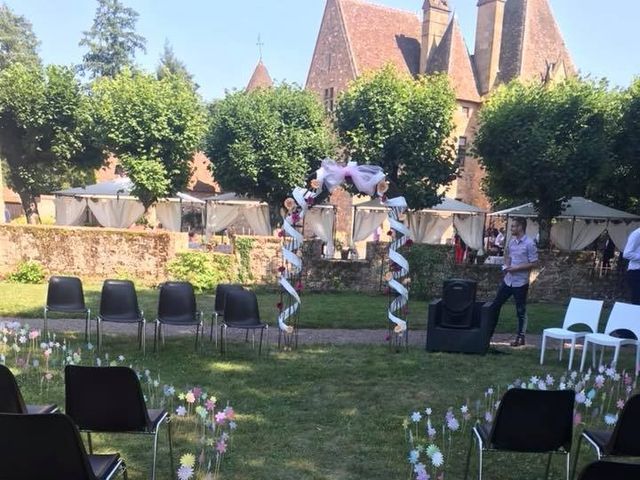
x=319 y=310
x=325 y=413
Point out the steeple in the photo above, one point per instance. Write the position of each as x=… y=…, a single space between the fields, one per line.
x=434 y=23
x=260 y=78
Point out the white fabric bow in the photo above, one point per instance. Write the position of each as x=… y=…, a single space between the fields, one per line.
x=364 y=177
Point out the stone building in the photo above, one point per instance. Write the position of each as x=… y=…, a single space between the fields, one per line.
x=514 y=39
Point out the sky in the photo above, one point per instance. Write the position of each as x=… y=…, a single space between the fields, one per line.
x=217 y=39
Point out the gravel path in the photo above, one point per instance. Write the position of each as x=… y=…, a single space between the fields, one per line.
x=307 y=336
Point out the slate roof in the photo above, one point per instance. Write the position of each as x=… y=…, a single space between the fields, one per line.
x=379 y=35
x=451 y=56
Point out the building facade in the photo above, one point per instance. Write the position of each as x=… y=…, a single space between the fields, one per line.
x=514 y=39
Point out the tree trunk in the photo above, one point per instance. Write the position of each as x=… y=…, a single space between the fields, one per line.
x=30 y=207
x=544 y=241
x=2 y=205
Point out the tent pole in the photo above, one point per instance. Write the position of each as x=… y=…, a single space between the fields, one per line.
x=573 y=226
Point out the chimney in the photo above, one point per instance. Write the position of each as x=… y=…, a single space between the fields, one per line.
x=435 y=18
x=488 y=41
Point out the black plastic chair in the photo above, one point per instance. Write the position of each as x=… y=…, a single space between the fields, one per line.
x=49 y=447
x=218 y=308
x=177 y=306
x=241 y=311
x=623 y=440
x=119 y=304
x=610 y=471
x=11 y=400
x=65 y=295
x=532 y=421
x=110 y=400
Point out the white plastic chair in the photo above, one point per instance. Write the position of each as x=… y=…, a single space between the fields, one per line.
x=623 y=316
x=579 y=312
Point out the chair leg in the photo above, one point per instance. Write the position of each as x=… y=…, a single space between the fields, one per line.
x=616 y=353
x=197 y=335
x=155 y=455
x=46 y=325
x=90 y=443
x=546 y=472
x=125 y=474
x=98 y=335
x=246 y=336
x=560 y=349
x=585 y=347
x=572 y=352
x=479 y=462
x=542 y=347
x=87 y=334
x=568 y=466
x=155 y=337
x=575 y=460
x=143 y=336
x=466 y=468
x=260 y=345
x=171 y=447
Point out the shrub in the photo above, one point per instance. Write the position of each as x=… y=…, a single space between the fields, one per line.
x=27 y=271
x=203 y=270
x=430 y=265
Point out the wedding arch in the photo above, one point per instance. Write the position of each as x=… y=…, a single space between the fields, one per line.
x=367 y=179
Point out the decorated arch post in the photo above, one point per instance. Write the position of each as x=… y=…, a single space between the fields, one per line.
x=367 y=179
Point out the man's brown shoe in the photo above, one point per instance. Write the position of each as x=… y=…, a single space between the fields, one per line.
x=518 y=342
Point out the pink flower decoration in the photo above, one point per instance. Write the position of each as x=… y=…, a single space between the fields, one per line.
x=310 y=201
x=281 y=268
x=409 y=243
x=197 y=391
x=221 y=447
x=229 y=413
x=279 y=306
x=295 y=217
x=190 y=397
x=210 y=405
x=281 y=233
x=299 y=286
x=577 y=419
x=33 y=334
x=390 y=233
x=620 y=404
x=220 y=417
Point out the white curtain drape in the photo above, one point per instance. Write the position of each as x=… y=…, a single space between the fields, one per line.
x=584 y=233
x=561 y=234
x=116 y=213
x=258 y=219
x=471 y=230
x=169 y=215
x=427 y=227
x=320 y=221
x=70 y=210
x=220 y=216
x=619 y=233
x=365 y=223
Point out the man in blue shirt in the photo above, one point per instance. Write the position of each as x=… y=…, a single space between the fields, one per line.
x=521 y=256
x=632 y=253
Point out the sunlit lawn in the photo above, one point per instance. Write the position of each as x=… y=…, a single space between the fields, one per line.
x=319 y=310
x=330 y=413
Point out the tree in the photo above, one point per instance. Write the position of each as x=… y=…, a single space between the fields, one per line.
x=544 y=143
x=171 y=65
x=265 y=142
x=112 y=40
x=618 y=184
x=404 y=125
x=18 y=43
x=46 y=132
x=153 y=126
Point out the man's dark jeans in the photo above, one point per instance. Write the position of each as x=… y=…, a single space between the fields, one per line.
x=520 y=296
x=633 y=279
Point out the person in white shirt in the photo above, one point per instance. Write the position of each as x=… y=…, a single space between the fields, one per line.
x=632 y=253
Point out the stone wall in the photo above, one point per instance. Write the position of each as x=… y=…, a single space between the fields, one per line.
x=265 y=258
x=91 y=253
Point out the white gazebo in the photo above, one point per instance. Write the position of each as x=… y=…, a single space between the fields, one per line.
x=581 y=222
x=113 y=205
x=430 y=225
x=223 y=210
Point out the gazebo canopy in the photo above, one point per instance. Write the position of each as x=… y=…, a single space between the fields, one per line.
x=576 y=207
x=448 y=205
x=224 y=209
x=581 y=222
x=113 y=205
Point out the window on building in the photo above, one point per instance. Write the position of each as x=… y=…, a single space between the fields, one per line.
x=462 y=151
x=466 y=111
x=328 y=99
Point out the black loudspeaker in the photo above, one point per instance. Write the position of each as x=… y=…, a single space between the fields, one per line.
x=457 y=322
x=458 y=300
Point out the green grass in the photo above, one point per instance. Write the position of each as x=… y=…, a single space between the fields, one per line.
x=325 y=413
x=319 y=310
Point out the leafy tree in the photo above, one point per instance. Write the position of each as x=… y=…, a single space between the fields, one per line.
x=265 y=142
x=112 y=40
x=544 y=143
x=404 y=125
x=153 y=126
x=618 y=184
x=171 y=65
x=46 y=132
x=18 y=43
